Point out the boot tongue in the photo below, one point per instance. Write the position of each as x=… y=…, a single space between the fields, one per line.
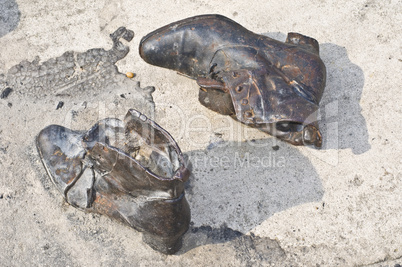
x=107 y=131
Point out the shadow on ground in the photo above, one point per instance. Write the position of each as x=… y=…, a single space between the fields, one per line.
x=236 y=186
x=340 y=105
x=9 y=16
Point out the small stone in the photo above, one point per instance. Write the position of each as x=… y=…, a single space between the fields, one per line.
x=60 y=105
x=357 y=181
x=6 y=92
x=276 y=148
x=130 y=75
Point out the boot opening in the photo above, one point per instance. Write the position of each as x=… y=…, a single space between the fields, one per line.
x=151 y=148
x=142 y=140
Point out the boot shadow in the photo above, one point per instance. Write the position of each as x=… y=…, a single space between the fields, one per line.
x=341 y=123
x=237 y=186
x=341 y=119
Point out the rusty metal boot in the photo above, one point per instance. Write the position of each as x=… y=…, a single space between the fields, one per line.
x=273 y=86
x=130 y=170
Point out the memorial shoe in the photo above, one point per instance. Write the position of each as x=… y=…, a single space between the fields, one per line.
x=271 y=85
x=130 y=170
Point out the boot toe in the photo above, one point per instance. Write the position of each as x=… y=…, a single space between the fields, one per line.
x=61 y=153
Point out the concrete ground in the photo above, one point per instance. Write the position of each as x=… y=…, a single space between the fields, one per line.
x=255 y=201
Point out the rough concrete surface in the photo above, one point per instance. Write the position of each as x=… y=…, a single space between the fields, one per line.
x=255 y=201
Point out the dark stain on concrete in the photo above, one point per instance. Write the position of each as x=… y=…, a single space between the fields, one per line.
x=9 y=16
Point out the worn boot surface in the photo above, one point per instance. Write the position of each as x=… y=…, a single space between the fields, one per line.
x=259 y=81
x=130 y=170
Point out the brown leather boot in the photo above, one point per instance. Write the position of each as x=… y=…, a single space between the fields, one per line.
x=132 y=171
x=273 y=86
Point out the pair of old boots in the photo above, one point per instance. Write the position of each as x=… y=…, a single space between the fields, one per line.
x=134 y=171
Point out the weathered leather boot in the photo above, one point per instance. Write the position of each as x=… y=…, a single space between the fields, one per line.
x=259 y=81
x=132 y=171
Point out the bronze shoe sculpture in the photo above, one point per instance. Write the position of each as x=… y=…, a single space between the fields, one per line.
x=130 y=170
x=273 y=86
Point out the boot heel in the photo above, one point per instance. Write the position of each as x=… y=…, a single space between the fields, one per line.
x=166 y=245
